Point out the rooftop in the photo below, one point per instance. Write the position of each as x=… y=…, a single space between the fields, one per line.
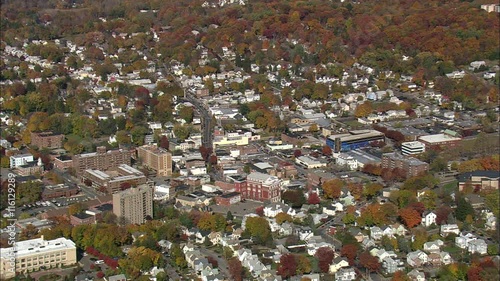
x=30 y=247
x=437 y=138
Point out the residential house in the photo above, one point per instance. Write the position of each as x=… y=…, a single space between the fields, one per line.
x=417 y=258
x=434 y=259
x=304 y=233
x=449 y=228
x=391 y=265
x=345 y=274
x=428 y=218
x=416 y=275
x=445 y=258
x=434 y=246
x=477 y=246
x=367 y=243
x=215 y=237
x=463 y=241
x=338 y=263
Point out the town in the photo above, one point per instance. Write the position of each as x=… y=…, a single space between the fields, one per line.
x=140 y=151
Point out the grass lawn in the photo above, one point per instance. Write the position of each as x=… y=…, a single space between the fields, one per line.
x=450 y=187
x=50 y=277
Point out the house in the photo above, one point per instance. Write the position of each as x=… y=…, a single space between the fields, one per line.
x=428 y=218
x=434 y=259
x=399 y=229
x=304 y=233
x=417 y=258
x=416 y=275
x=477 y=246
x=449 y=228
x=391 y=265
x=433 y=246
x=445 y=258
x=376 y=233
x=367 y=243
x=215 y=237
x=119 y=277
x=275 y=208
x=463 y=241
x=338 y=263
x=345 y=274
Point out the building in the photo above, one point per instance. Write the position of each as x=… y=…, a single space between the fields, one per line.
x=309 y=162
x=228 y=198
x=30 y=168
x=134 y=204
x=354 y=140
x=20 y=160
x=412 y=148
x=344 y=159
x=491 y=8
x=479 y=180
x=156 y=158
x=112 y=181
x=63 y=162
x=59 y=190
x=47 y=140
x=82 y=218
x=412 y=166
x=261 y=187
x=36 y=254
x=101 y=160
x=439 y=141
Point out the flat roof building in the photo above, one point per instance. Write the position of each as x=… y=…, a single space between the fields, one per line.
x=46 y=140
x=134 y=204
x=156 y=158
x=412 y=166
x=438 y=141
x=101 y=160
x=412 y=148
x=36 y=254
x=353 y=140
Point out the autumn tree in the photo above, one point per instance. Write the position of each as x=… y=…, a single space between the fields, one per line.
x=235 y=269
x=313 y=199
x=325 y=257
x=295 y=198
x=164 y=142
x=326 y=150
x=372 y=189
x=333 y=188
x=369 y=262
x=258 y=227
x=283 y=217
x=287 y=266
x=410 y=217
x=303 y=265
x=364 y=109
x=349 y=251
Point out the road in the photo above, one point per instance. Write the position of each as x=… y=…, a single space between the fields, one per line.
x=206 y=119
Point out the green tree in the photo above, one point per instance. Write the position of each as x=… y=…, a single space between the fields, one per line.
x=464 y=208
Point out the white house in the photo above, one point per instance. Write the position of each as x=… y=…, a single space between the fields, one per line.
x=463 y=241
x=428 y=218
x=416 y=275
x=433 y=246
x=478 y=246
x=417 y=258
x=449 y=228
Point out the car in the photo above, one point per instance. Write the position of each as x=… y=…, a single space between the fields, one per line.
x=99 y=262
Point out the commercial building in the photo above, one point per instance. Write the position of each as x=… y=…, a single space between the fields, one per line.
x=228 y=199
x=20 y=160
x=261 y=187
x=47 y=140
x=101 y=160
x=116 y=180
x=480 y=180
x=353 y=140
x=343 y=159
x=412 y=148
x=156 y=158
x=134 y=204
x=59 y=190
x=412 y=166
x=36 y=254
x=439 y=141
x=309 y=162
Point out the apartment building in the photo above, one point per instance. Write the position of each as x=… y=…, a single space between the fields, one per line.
x=47 y=140
x=134 y=204
x=36 y=254
x=412 y=148
x=100 y=160
x=20 y=160
x=156 y=158
x=412 y=166
x=114 y=180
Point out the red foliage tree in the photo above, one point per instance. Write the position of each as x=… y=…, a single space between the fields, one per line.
x=100 y=274
x=297 y=153
x=260 y=211
x=474 y=273
x=212 y=159
x=325 y=258
x=164 y=142
x=213 y=261
x=369 y=262
x=417 y=206
x=350 y=251
x=313 y=198
x=410 y=217
x=235 y=269
x=326 y=150
x=287 y=266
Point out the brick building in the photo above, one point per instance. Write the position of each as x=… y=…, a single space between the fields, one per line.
x=134 y=204
x=156 y=158
x=56 y=191
x=412 y=166
x=261 y=187
x=228 y=198
x=115 y=179
x=101 y=160
x=47 y=140
x=82 y=218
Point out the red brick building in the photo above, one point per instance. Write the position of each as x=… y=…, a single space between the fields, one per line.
x=56 y=191
x=82 y=218
x=47 y=140
x=261 y=187
x=228 y=198
x=412 y=166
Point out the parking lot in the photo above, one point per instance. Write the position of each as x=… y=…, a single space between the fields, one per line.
x=239 y=209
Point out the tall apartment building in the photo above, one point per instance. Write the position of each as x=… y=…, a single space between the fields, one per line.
x=134 y=204
x=156 y=158
x=261 y=187
x=47 y=139
x=412 y=166
x=36 y=254
x=101 y=160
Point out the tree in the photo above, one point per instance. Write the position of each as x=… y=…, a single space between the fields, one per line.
x=326 y=150
x=283 y=217
x=369 y=262
x=364 y=109
x=332 y=188
x=294 y=197
x=442 y=214
x=164 y=142
x=372 y=189
x=410 y=217
x=287 y=266
x=258 y=227
x=260 y=211
x=463 y=209
x=75 y=208
x=349 y=251
x=313 y=199
x=400 y=276
x=303 y=265
x=235 y=269
x=297 y=153
x=325 y=257
x=186 y=113
x=229 y=216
